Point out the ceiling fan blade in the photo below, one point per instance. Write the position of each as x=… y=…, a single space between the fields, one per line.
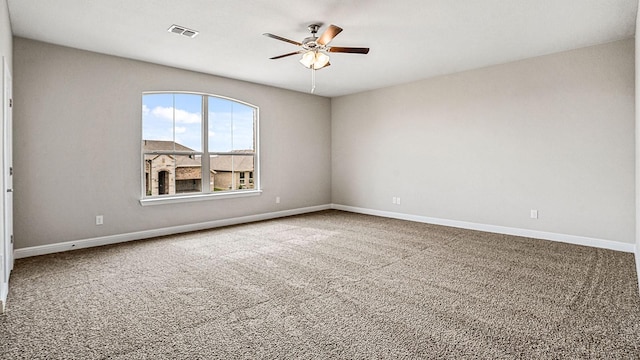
x=329 y=34
x=282 y=39
x=285 y=55
x=351 y=50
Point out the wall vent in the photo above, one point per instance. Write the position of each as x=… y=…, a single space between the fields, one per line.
x=181 y=30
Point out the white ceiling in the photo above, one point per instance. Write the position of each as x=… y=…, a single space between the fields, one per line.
x=409 y=39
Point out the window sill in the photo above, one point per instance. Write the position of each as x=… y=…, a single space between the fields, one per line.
x=198 y=197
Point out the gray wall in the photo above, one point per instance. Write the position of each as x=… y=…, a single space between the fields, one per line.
x=553 y=133
x=77 y=145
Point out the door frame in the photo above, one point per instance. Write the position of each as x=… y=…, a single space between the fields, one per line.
x=6 y=230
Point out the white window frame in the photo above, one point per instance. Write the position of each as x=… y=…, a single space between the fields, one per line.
x=206 y=192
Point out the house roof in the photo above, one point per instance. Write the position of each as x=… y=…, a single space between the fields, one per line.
x=241 y=162
x=187 y=161
x=167 y=145
x=232 y=162
x=163 y=145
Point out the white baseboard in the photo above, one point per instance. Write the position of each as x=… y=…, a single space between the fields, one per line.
x=571 y=239
x=638 y=264
x=138 y=235
x=4 y=292
x=114 y=239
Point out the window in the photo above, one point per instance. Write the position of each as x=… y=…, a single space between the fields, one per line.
x=194 y=144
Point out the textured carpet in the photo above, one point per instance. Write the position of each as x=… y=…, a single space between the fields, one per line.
x=325 y=285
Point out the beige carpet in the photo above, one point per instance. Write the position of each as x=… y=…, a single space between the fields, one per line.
x=327 y=285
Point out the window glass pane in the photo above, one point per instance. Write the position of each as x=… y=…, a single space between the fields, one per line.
x=148 y=178
x=172 y=174
x=242 y=127
x=188 y=120
x=227 y=169
x=157 y=121
x=220 y=125
x=159 y=174
x=169 y=118
x=188 y=174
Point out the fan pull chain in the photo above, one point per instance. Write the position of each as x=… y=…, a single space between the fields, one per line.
x=313 y=79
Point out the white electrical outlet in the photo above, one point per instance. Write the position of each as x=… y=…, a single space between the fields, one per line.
x=277 y=199
x=393 y=200
x=534 y=214
x=398 y=200
x=99 y=220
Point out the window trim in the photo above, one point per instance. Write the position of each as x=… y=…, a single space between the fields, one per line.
x=176 y=199
x=205 y=165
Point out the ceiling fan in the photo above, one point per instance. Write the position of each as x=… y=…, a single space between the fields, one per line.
x=314 y=49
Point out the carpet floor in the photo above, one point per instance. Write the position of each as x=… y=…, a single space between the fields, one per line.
x=326 y=285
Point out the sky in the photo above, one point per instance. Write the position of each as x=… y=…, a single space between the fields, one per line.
x=178 y=117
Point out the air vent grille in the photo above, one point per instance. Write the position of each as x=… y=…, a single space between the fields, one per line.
x=181 y=30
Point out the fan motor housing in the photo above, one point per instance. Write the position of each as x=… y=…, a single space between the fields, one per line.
x=310 y=43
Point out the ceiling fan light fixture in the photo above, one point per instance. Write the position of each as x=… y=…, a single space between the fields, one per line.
x=322 y=60
x=308 y=59
x=314 y=59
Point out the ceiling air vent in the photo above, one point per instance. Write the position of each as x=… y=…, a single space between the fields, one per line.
x=177 y=29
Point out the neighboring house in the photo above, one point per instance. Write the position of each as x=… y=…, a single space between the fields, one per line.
x=167 y=174
x=170 y=174
x=233 y=171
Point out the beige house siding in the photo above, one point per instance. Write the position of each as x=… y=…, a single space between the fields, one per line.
x=222 y=181
x=225 y=181
x=159 y=165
